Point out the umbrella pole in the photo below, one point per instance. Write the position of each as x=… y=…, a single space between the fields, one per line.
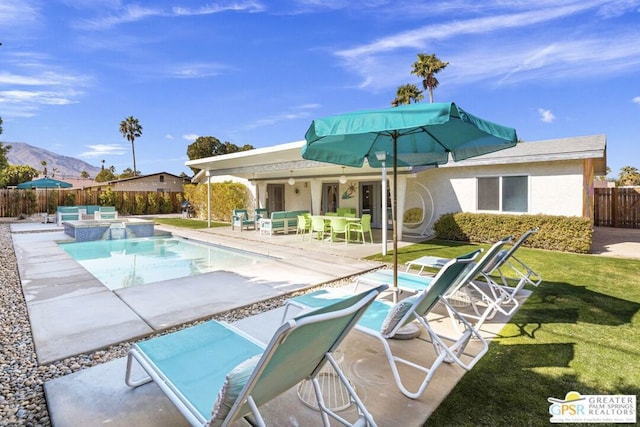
x=395 y=217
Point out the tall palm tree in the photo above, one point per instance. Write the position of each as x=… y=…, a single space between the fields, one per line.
x=131 y=129
x=427 y=66
x=407 y=93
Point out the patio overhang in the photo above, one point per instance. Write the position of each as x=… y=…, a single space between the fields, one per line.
x=277 y=163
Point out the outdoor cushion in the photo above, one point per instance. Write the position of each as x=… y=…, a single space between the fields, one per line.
x=233 y=384
x=395 y=315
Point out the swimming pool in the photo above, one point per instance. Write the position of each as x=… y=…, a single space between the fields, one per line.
x=133 y=262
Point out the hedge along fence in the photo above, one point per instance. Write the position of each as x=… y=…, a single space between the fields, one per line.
x=14 y=202
x=225 y=197
x=559 y=233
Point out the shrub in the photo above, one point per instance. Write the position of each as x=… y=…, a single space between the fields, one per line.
x=559 y=233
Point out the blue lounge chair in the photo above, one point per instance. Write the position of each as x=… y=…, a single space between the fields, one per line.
x=192 y=365
x=486 y=297
x=383 y=320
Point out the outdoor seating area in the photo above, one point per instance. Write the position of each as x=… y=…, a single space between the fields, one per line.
x=84 y=212
x=280 y=222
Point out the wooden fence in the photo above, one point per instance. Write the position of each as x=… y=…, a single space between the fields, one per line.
x=14 y=202
x=617 y=207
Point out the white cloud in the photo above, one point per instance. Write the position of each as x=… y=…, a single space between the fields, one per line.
x=546 y=116
x=169 y=136
x=100 y=150
x=135 y=13
x=301 y=112
x=503 y=46
x=190 y=137
x=636 y=100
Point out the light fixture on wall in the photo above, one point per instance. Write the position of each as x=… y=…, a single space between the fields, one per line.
x=291 y=180
x=343 y=177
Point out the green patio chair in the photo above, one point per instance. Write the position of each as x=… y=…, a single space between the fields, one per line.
x=362 y=227
x=304 y=225
x=339 y=226
x=192 y=365
x=319 y=227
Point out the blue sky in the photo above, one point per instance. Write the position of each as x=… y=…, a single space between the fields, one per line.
x=257 y=72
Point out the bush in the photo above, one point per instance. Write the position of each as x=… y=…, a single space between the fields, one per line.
x=225 y=197
x=559 y=233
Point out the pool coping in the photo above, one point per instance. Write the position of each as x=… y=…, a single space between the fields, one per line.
x=71 y=312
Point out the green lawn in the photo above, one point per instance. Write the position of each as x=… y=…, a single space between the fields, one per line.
x=578 y=331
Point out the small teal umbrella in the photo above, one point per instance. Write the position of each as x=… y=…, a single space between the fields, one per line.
x=45 y=183
x=409 y=135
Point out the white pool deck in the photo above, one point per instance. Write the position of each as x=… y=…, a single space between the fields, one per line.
x=72 y=313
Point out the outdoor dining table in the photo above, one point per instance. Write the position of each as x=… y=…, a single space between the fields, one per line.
x=348 y=218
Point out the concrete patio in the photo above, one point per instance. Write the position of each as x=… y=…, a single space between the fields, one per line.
x=72 y=313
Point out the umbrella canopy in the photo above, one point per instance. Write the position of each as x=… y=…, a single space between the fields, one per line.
x=409 y=135
x=44 y=183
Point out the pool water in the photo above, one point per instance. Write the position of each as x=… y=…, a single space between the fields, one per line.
x=133 y=262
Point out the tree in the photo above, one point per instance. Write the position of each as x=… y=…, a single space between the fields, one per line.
x=629 y=176
x=407 y=93
x=427 y=66
x=84 y=175
x=209 y=146
x=44 y=167
x=126 y=173
x=16 y=174
x=105 y=175
x=131 y=129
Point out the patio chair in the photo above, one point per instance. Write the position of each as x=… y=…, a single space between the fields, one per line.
x=362 y=227
x=338 y=226
x=304 y=225
x=192 y=365
x=383 y=320
x=240 y=218
x=525 y=274
x=319 y=226
x=486 y=297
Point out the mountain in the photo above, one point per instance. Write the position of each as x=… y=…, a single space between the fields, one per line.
x=65 y=167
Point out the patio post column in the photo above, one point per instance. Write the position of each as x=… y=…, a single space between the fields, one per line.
x=316 y=195
x=208 y=175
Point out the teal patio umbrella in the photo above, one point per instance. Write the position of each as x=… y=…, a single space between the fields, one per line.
x=45 y=183
x=409 y=135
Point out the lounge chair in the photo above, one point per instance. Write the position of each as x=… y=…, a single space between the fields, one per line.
x=383 y=320
x=525 y=274
x=192 y=365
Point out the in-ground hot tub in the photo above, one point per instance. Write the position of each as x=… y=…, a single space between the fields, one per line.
x=108 y=229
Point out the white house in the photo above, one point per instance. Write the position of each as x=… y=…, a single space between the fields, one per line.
x=553 y=177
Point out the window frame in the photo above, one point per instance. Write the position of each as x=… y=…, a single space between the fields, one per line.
x=500 y=178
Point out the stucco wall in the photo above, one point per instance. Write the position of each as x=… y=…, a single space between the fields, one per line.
x=555 y=188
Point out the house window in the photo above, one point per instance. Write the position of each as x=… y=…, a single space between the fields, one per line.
x=161 y=178
x=503 y=193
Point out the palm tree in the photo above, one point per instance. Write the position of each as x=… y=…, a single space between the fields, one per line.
x=629 y=175
x=407 y=93
x=427 y=66
x=131 y=129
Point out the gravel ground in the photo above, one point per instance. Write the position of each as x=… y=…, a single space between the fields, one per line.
x=22 y=400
